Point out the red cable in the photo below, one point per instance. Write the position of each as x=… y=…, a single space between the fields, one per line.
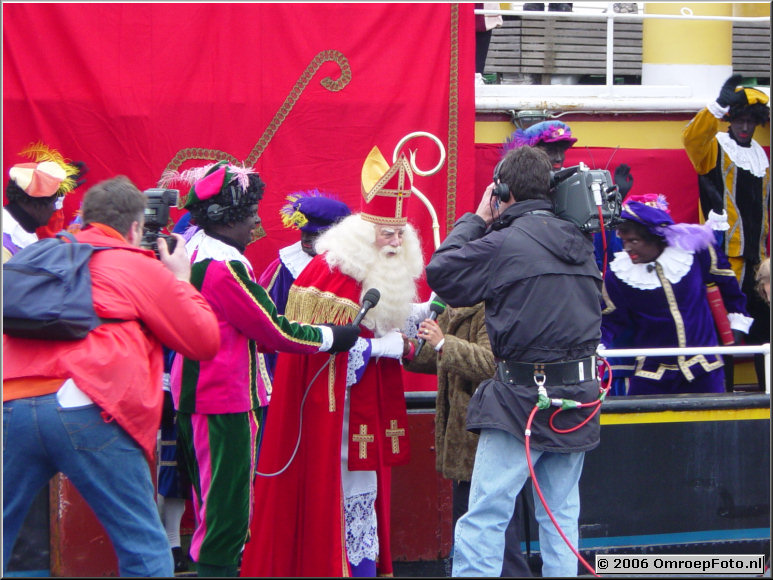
x=542 y=498
x=603 y=240
x=597 y=404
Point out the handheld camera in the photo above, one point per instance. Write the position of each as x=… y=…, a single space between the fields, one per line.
x=579 y=194
x=157 y=216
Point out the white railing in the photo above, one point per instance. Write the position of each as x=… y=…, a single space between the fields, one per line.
x=601 y=98
x=611 y=16
x=763 y=349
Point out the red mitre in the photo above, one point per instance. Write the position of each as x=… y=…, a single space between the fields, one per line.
x=385 y=189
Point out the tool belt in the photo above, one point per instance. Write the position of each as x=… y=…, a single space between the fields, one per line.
x=557 y=373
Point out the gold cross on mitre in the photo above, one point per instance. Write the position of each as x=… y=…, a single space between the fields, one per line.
x=385 y=189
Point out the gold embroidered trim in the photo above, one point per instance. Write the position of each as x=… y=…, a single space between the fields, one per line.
x=453 y=120
x=271 y=282
x=310 y=305
x=381 y=220
x=662 y=368
x=333 y=85
x=330 y=84
x=714 y=269
x=681 y=335
x=402 y=168
x=265 y=312
x=327 y=82
x=331 y=383
x=263 y=370
x=607 y=300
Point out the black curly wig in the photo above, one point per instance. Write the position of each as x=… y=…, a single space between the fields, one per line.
x=758 y=112
x=16 y=194
x=235 y=202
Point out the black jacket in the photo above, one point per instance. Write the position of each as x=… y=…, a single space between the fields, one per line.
x=538 y=277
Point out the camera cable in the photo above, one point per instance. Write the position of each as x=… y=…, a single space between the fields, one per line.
x=544 y=402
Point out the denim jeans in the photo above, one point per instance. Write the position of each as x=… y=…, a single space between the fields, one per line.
x=107 y=467
x=499 y=473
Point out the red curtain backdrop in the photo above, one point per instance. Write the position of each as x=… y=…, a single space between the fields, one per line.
x=307 y=89
x=302 y=90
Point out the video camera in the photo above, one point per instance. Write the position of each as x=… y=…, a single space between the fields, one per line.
x=157 y=217
x=580 y=192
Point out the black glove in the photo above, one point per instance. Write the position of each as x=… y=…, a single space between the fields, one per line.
x=738 y=337
x=82 y=170
x=728 y=97
x=623 y=179
x=344 y=338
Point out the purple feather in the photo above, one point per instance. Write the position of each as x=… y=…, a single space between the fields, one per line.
x=689 y=237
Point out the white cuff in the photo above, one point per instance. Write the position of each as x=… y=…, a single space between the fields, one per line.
x=717 y=221
x=717 y=110
x=740 y=322
x=327 y=338
x=390 y=345
x=439 y=345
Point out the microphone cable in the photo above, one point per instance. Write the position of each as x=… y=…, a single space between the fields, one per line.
x=300 y=423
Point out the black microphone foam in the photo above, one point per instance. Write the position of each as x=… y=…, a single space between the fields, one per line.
x=369 y=300
x=436 y=308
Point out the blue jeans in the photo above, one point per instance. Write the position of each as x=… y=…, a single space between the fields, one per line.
x=499 y=473
x=105 y=464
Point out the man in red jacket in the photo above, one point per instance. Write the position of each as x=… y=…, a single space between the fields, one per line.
x=91 y=408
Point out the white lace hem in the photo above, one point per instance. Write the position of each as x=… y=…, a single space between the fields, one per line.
x=361 y=527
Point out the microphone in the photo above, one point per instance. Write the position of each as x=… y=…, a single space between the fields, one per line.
x=436 y=308
x=650 y=267
x=370 y=299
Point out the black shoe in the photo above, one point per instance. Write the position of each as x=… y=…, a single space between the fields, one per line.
x=180 y=561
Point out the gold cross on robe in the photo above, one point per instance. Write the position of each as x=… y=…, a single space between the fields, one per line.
x=394 y=433
x=363 y=438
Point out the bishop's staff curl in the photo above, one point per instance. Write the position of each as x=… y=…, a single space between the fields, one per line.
x=417 y=171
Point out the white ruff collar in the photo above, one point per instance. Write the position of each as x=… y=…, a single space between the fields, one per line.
x=294 y=258
x=752 y=159
x=19 y=236
x=674 y=261
x=203 y=247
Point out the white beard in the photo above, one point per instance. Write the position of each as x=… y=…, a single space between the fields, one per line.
x=350 y=246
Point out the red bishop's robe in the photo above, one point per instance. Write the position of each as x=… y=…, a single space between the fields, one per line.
x=298 y=528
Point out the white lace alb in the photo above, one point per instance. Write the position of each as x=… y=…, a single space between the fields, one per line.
x=361 y=530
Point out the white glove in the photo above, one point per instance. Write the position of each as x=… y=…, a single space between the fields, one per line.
x=718 y=221
x=390 y=345
x=421 y=310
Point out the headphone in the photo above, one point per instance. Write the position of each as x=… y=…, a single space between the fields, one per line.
x=501 y=190
x=215 y=212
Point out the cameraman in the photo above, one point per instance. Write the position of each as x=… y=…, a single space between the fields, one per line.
x=539 y=280
x=90 y=408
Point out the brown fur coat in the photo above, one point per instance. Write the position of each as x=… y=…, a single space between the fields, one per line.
x=465 y=360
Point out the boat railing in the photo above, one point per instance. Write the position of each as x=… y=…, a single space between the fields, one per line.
x=763 y=349
x=611 y=16
x=609 y=97
x=425 y=400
